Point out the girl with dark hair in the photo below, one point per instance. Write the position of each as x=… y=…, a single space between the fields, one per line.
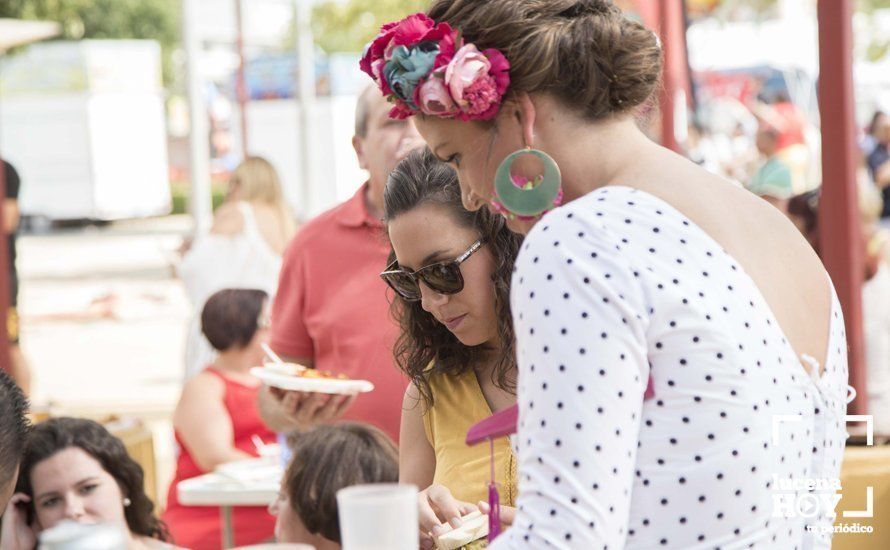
x=663 y=316
x=74 y=469
x=217 y=420
x=451 y=278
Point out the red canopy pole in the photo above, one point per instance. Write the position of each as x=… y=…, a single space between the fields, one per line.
x=840 y=234
x=672 y=29
x=4 y=281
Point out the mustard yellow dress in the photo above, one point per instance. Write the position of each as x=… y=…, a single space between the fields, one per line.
x=458 y=403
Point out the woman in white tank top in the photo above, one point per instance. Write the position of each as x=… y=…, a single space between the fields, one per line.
x=242 y=249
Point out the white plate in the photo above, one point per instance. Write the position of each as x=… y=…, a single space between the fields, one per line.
x=218 y=490
x=251 y=470
x=316 y=385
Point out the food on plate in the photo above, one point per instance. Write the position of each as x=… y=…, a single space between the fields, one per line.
x=312 y=373
x=293 y=377
x=290 y=369
x=293 y=369
x=473 y=527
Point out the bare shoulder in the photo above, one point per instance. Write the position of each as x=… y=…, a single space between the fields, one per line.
x=199 y=394
x=758 y=234
x=271 y=225
x=768 y=247
x=747 y=227
x=227 y=220
x=202 y=386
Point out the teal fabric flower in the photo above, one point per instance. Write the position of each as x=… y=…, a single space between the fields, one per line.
x=408 y=67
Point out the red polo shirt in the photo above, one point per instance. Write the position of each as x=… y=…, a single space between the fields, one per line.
x=332 y=306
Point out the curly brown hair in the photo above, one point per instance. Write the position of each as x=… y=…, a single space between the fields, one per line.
x=420 y=179
x=58 y=434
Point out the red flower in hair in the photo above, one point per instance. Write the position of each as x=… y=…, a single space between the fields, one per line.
x=407 y=32
x=500 y=69
x=477 y=81
x=374 y=49
x=401 y=110
x=412 y=29
x=421 y=65
x=447 y=46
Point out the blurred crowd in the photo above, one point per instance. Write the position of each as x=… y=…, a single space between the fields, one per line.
x=773 y=154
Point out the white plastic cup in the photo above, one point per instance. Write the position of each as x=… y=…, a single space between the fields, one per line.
x=70 y=535
x=381 y=516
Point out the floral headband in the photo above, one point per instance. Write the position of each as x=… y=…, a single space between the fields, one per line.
x=422 y=66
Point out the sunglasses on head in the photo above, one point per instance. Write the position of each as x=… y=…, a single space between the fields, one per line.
x=442 y=277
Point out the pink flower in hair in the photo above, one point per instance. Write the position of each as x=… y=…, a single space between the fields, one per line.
x=480 y=99
x=433 y=97
x=477 y=81
x=463 y=70
x=500 y=80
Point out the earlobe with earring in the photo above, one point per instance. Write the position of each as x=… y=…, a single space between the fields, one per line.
x=127 y=502
x=527 y=199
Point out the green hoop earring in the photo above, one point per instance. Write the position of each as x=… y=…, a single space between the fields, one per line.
x=533 y=198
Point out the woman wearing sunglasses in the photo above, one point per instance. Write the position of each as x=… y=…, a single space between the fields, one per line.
x=451 y=278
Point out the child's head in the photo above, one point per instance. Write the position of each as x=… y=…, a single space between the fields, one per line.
x=327 y=459
x=235 y=319
x=767 y=139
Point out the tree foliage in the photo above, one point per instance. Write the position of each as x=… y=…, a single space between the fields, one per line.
x=347 y=26
x=141 y=19
x=872 y=5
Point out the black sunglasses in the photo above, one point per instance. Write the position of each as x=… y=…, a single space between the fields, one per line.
x=443 y=277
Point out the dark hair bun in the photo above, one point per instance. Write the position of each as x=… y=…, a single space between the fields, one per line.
x=588 y=53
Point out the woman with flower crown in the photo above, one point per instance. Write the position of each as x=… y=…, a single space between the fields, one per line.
x=663 y=316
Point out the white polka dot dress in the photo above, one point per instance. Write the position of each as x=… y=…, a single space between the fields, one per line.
x=619 y=286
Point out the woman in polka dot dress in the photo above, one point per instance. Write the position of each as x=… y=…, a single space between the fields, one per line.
x=666 y=320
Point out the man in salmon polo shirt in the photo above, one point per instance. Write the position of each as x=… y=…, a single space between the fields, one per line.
x=331 y=311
